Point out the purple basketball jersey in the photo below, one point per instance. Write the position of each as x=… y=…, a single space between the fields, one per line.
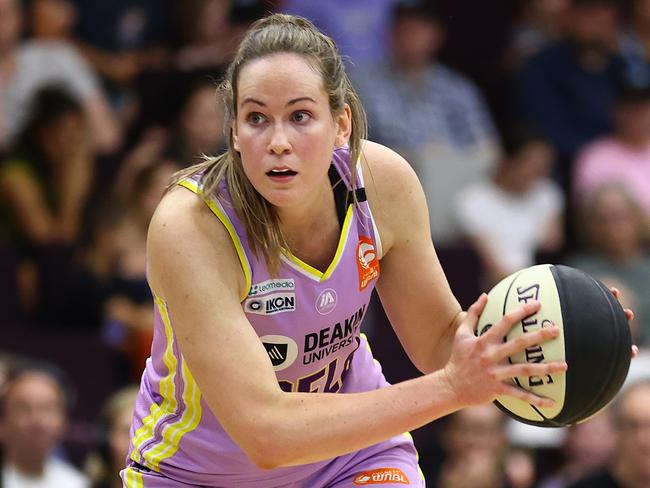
x=309 y=322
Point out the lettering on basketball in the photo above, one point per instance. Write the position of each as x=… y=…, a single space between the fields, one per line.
x=367 y=262
x=535 y=353
x=381 y=476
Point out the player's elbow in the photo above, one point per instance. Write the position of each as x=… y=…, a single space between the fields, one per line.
x=265 y=452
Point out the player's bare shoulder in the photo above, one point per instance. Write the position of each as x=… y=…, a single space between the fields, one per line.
x=184 y=233
x=393 y=190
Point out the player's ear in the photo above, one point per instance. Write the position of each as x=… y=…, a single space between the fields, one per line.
x=343 y=126
x=234 y=138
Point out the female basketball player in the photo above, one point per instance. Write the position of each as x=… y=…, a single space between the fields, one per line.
x=262 y=262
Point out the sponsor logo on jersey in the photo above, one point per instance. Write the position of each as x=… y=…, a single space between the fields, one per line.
x=268 y=286
x=271 y=304
x=282 y=350
x=367 y=262
x=326 y=301
x=381 y=476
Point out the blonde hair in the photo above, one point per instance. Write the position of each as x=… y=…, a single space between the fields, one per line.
x=277 y=33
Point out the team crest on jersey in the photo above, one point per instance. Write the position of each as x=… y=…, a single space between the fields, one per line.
x=271 y=304
x=367 y=262
x=282 y=350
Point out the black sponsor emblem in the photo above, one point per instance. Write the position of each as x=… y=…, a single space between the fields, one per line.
x=277 y=352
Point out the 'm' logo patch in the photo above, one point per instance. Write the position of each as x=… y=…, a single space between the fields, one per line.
x=381 y=476
x=326 y=301
x=367 y=262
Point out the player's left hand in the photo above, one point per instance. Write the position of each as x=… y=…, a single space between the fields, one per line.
x=630 y=317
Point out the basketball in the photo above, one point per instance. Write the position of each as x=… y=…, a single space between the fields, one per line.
x=594 y=341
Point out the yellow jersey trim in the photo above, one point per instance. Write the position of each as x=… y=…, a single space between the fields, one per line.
x=218 y=210
x=167 y=390
x=312 y=272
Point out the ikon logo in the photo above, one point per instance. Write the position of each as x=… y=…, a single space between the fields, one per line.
x=282 y=350
x=382 y=476
x=271 y=304
x=326 y=301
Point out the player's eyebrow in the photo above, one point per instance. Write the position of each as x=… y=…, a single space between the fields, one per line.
x=300 y=99
x=252 y=100
x=293 y=101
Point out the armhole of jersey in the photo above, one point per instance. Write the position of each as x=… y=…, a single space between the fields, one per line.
x=375 y=229
x=215 y=206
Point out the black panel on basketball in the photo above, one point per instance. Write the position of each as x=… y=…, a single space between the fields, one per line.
x=593 y=325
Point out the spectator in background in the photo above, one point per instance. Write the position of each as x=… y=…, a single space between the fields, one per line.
x=361 y=28
x=125 y=41
x=539 y=23
x=27 y=67
x=129 y=309
x=516 y=212
x=207 y=36
x=567 y=90
x=629 y=465
x=44 y=185
x=615 y=237
x=50 y=19
x=33 y=411
x=432 y=115
x=586 y=449
x=104 y=464
x=476 y=450
x=623 y=156
x=634 y=44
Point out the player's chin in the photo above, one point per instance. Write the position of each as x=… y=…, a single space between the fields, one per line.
x=283 y=197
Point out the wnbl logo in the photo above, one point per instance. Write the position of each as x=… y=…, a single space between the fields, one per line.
x=271 y=304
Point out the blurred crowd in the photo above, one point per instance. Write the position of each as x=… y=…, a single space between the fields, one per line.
x=527 y=122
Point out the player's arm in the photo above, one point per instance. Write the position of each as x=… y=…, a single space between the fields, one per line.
x=193 y=266
x=412 y=285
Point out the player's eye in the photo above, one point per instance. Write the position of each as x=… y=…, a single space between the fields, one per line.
x=300 y=116
x=255 y=118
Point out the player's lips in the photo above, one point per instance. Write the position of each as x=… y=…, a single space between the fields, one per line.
x=281 y=173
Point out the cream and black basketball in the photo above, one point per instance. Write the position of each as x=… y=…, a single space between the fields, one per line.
x=594 y=340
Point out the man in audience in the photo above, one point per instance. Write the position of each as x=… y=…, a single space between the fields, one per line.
x=33 y=410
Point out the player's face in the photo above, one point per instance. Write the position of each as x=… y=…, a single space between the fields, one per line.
x=285 y=130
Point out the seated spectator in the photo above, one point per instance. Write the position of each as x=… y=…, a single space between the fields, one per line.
x=361 y=29
x=539 y=23
x=33 y=416
x=634 y=44
x=26 y=67
x=622 y=157
x=615 y=252
x=585 y=450
x=476 y=451
x=431 y=114
x=44 y=182
x=105 y=463
x=207 y=36
x=515 y=213
x=629 y=465
x=567 y=90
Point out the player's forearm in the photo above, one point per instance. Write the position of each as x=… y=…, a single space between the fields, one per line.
x=310 y=427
